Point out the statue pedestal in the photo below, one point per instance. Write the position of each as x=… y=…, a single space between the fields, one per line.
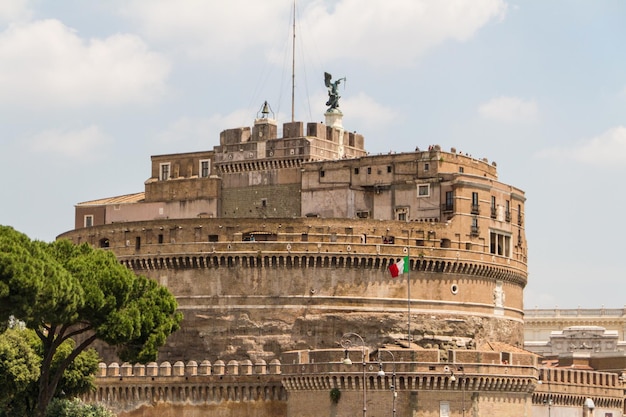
x=334 y=118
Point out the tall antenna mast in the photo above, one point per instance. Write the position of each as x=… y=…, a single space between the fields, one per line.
x=293 y=64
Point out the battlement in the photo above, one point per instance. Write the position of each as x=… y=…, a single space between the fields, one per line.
x=304 y=382
x=191 y=368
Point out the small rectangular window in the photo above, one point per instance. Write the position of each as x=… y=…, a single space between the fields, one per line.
x=205 y=168
x=388 y=169
x=165 y=171
x=160 y=238
x=356 y=171
x=507 y=211
x=213 y=238
x=461 y=170
x=322 y=173
x=449 y=206
x=369 y=170
x=402 y=213
x=89 y=220
x=423 y=190
x=475 y=206
x=426 y=167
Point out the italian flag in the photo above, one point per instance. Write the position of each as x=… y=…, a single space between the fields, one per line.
x=400 y=267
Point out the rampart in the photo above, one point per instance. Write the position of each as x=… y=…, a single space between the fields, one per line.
x=303 y=386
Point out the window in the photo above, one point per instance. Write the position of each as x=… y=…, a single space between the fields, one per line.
x=369 y=170
x=88 y=222
x=461 y=170
x=160 y=238
x=475 y=208
x=205 y=168
x=356 y=171
x=423 y=190
x=165 y=171
x=449 y=205
x=426 y=167
x=322 y=173
x=500 y=243
x=493 y=207
x=402 y=213
x=214 y=238
x=475 y=231
x=507 y=212
x=388 y=169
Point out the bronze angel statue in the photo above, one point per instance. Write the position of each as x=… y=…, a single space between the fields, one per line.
x=333 y=95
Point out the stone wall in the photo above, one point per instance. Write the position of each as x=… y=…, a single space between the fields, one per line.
x=315 y=280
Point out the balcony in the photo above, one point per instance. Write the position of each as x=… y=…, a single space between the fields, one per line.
x=447 y=207
x=494 y=212
x=475 y=231
x=507 y=216
x=475 y=209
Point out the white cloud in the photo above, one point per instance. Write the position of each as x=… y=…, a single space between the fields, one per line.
x=14 y=10
x=202 y=28
x=509 y=109
x=366 y=113
x=379 y=32
x=607 y=149
x=46 y=64
x=201 y=131
x=83 y=145
x=383 y=32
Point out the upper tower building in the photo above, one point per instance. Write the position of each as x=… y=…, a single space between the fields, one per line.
x=272 y=243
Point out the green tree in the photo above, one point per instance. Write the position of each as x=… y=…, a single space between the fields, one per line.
x=19 y=371
x=20 y=366
x=64 y=291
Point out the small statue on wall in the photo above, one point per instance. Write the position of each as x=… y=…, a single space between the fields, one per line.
x=333 y=94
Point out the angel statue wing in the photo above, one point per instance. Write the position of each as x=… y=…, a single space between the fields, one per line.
x=327 y=78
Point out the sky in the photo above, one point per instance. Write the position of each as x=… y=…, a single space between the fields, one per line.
x=89 y=90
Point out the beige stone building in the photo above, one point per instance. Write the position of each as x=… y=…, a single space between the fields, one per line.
x=277 y=246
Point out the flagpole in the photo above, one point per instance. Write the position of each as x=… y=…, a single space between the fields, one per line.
x=408 y=287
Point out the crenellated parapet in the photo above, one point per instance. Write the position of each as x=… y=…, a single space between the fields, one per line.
x=569 y=388
x=191 y=368
x=128 y=387
x=302 y=383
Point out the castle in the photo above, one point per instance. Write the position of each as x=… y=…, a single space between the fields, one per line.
x=277 y=248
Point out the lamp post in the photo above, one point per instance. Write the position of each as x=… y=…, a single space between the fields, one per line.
x=381 y=372
x=346 y=343
x=462 y=382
